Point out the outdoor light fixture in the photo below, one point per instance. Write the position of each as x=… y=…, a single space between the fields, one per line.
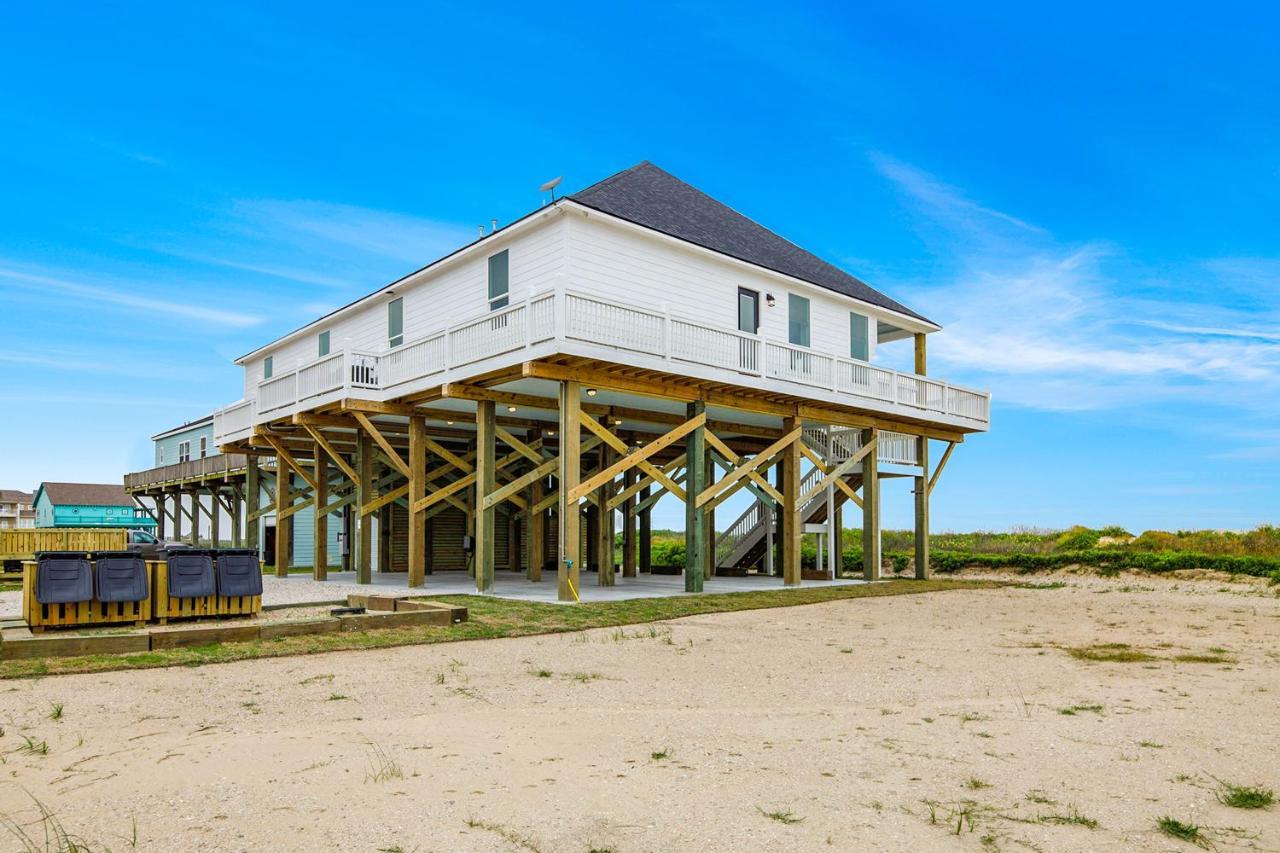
x=551 y=433
x=511 y=408
x=450 y=423
x=769 y=300
x=591 y=392
x=617 y=421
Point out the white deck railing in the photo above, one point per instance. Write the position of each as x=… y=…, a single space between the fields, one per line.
x=594 y=320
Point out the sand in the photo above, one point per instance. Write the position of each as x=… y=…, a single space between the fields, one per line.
x=874 y=724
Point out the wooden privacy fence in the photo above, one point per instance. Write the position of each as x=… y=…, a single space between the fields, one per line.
x=158 y=605
x=25 y=543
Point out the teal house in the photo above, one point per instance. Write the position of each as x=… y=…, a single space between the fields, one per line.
x=88 y=505
x=192 y=440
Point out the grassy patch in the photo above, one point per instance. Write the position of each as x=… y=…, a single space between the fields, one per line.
x=785 y=817
x=661 y=755
x=1072 y=710
x=489 y=617
x=1074 y=818
x=1211 y=657
x=1174 y=828
x=1110 y=653
x=1245 y=796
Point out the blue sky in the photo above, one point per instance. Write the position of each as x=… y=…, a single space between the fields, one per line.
x=1087 y=199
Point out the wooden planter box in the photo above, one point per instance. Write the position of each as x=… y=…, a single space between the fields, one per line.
x=165 y=607
x=40 y=616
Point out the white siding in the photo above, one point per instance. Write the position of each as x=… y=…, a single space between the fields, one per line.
x=612 y=260
x=433 y=299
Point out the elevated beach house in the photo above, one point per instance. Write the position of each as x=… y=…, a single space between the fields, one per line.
x=518 y=399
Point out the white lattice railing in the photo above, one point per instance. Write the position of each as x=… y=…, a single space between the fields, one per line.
x=570 y=315
x=233 y=420
x=837 y=444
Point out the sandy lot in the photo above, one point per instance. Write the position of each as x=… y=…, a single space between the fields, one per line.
x=875 y=724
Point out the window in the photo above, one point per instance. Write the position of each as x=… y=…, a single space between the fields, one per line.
x=204 y=446
x=499 y=281
x=748 y=311
x=160 y=455
x=323 y=343
x=184 y=451
x=266 y=368
x=798 y=320
x=395 y=322
x=859 y=337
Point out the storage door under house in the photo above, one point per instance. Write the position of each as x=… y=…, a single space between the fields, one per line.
x=444 y=540
x=398 y=516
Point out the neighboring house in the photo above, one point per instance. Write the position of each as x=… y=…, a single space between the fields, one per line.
x=640 y=308
x=193 y=440
x=88 y=505
x=16 y=509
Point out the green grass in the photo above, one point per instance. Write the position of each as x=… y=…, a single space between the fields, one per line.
x=1245 y=796
x=1110 y=653
x=1188 y=832
x=1072 y=710
x=785 y=817
x=488 y=617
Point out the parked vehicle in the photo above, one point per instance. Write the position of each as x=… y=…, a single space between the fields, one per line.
x=149 y=546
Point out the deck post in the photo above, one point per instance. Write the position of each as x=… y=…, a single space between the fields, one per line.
x=237 y=517
x=710 y=570
x=568 y=571
x=770 y=556
x=870 y=509
x=604 y=519
x=837 y=534
x=695 y=519
x=646 y=536
x=923 y=569
x=790 y=510
x=252 y=498
x=921 y=360
x=417 y=491
x=833 y=535
x=284 y=524
x=215 y=518
x=779 y=521
x=535 y=538
x=363 y=523
x=629 y=527
x=320 y=559
x=485 y=483
x=160 y=515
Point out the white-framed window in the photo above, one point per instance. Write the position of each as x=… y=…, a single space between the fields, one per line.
x=859 y=336
x=322 y=343
x=160 y=455
x=184 y=451
x=499 y=280
x=267 y=365
x=204 y=446
x=395 y=322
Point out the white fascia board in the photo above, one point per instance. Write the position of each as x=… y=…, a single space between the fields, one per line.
x=909 y=323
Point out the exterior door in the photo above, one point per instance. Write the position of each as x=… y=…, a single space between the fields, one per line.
x=748 y=323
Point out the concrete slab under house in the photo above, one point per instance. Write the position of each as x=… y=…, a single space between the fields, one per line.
x=492 y=421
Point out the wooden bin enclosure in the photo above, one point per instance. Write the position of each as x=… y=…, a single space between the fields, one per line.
x=40 y=616
x=166 y=607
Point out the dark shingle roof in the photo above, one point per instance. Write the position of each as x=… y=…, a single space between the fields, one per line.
x=648 y=196
x=87 y=494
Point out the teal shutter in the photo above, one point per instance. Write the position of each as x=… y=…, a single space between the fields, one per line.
x=324 y=343
x=798 y=320
x=499 y=280
x=859 y=336
x=395 y=322
x=266 y=368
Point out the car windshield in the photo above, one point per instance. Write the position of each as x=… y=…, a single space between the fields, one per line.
x=145 y=538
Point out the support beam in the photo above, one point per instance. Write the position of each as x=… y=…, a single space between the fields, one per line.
x=320 y=544
x=870 y=511
x=363 y=545
x=284 y=456
x=284 y=521
x=252 y=496
x=628 y=527
x=215 y=518
x=602 y=432
x=569 y=568
x=695 y=520
x=486 y=451
x=393 y=455
x=791 y=522
x=417 y=491
x=604 y=516
x=646 y=535
x=923 y=569
x=942 y=463
x=595 y=481
x=536 y=535
x=788 y=439
x=921 y=360
x=325 y=445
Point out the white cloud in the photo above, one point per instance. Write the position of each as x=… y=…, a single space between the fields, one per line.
x=59 y=284
x=1050 y=326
